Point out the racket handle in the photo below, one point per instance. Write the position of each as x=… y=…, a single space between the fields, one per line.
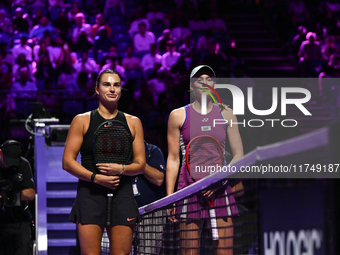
x=109 y=208
x=213 y=222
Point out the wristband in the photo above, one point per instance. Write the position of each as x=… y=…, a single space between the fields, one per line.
x=93 y=176
x=122 y=170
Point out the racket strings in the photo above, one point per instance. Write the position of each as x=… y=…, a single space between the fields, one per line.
x=204 y=156
x=112 y=144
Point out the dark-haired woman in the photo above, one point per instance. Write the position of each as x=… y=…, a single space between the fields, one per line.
x=89 y=209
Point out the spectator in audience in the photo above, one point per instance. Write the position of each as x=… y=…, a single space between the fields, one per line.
x=83 y=80
x=57 y=49
x=67 y=79
x=43 y=49
x=310 y=48
x=188 y=46
x=106 y=59
x=65 y=57
x=180 y=67
x=80 y=26
x=156 y=84
x=100 y=21
x=5 y=22
x=143 y=38
x=298 y=39
x=113 y=48
x=22 y=63
x=146 y=108
x=162 y=40
x=45 y=70
x=36 y=17
x=329 y=48
x=74 y=10
x=90 y=84
x=62 y=24
x=84 y=42
x=134 y=26
x=102 y=41
x=128 y=96
x=6 y=54
x=171 y=56
x=331 y=70
x=309 y=53
x=130 y=61
x=181 y=30
x=22 y=48
x=113 y=65
x=24 y=87
x=149 y=60
x=38 y=30
x=205 y=40
x=86 y=64
x=5 y=75
x=20 y=22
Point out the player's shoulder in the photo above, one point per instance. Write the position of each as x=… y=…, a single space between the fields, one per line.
x=179 y=112
x=177 y=117
x=81 y=119
x=82 y=116
x=131 y=118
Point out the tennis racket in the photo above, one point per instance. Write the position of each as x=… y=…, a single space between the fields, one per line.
x=203 y=154
x=112 y=143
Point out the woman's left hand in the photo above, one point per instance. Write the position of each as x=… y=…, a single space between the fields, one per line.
x=208 y=194
x=109 y=168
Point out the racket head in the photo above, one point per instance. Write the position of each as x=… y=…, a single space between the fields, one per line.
x=112 y=143
x=204 y=154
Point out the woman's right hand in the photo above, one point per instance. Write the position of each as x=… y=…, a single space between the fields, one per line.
x=110 y=182
x=171 y=214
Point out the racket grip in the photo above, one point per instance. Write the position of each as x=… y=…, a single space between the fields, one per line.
x=213 y=223
x=109 y=208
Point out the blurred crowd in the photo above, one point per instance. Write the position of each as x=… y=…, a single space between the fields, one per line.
x=311 y=30
x=51 y=51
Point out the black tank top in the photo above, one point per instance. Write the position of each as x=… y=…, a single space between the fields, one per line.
x=88 y=160
x=86 y=150
x=91 y=202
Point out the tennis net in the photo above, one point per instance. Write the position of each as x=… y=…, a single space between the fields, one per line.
x=270 y=212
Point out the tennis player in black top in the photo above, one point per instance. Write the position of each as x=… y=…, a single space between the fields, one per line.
x=90 y=207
